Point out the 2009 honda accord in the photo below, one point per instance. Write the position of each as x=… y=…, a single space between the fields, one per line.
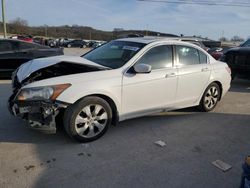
x=122 y=79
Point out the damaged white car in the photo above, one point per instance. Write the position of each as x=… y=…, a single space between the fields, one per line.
x=122 y=79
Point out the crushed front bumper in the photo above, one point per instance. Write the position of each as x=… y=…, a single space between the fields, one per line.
x=41 y=115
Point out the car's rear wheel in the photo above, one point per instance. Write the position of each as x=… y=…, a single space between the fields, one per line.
x=88 y=119
x=210 y=98
x=69 y=45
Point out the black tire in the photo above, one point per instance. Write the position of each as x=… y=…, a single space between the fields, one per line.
x=203 y=106
x=74 y=110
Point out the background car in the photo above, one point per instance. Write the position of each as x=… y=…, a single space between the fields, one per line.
x=97 y=44
x=238 y=60
x=218 y=52
x=13 y=53
x=76 y=43
x=246 y=44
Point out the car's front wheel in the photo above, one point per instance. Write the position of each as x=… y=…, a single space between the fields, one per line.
x=88 y=119
x=210 y=98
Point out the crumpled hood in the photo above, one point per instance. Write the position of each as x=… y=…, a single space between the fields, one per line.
x=28 y=68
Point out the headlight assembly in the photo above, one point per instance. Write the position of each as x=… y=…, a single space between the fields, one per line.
x=42 y=93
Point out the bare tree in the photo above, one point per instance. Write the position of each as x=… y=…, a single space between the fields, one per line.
x=237 y=39
x=19 y=26
x=223 y=39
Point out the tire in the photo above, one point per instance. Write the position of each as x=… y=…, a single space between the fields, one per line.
x=69 y=45
x=210 y=98
x=87 y=119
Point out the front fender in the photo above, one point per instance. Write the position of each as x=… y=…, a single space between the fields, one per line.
x=76 y=92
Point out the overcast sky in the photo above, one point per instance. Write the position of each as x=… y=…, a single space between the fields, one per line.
x=208 y=21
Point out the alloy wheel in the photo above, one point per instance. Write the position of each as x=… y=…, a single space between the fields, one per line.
x=211 y=97
x=91 y=120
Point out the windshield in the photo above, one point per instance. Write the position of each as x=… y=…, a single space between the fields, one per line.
x=114 y=54
x=246 y=44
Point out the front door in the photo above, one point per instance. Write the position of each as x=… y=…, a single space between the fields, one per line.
x=149 y=92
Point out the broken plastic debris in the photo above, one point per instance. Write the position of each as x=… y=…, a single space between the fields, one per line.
x=222 y=165
x=160 y=143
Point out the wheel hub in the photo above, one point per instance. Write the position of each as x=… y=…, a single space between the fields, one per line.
x=91 y=120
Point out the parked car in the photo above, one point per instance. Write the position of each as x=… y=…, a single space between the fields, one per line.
x=246 y=43
x=97 y=44
x=217 y=53
x=51 y=43
x=39 y=40
x=76 y=43
x=25 y=38
x=90 y=44
x=122 y=79
x=238 y=60
x=13 y=53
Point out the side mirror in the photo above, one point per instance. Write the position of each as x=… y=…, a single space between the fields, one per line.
x=142 y=68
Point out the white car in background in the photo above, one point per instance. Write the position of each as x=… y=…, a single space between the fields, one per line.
x=122 y=79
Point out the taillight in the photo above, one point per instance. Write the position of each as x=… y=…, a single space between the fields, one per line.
x=228 y=70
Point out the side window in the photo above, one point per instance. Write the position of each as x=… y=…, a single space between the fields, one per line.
x=190 y=56
x=26 y=46
x=5 y=46
x=187 y=55
x=203 y=58
x=158 y=57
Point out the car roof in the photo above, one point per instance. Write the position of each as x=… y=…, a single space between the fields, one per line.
x=147 y=39
x=16 y=40
x=21 y=41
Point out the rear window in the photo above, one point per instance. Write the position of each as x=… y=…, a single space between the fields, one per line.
x=246 y=44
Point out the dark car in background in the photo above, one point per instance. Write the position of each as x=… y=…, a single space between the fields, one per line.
x=76 y=44
x=13 y=53
x=246 y=43
x=218 y=52
x=238 y=60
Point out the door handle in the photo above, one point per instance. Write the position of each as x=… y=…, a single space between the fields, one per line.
x=170 y=75
x=204 y=69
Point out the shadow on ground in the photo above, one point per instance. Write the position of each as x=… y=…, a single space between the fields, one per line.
x=239 y=85
x=127 y=156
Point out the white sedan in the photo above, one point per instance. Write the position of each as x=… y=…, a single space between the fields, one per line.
x=122 y=79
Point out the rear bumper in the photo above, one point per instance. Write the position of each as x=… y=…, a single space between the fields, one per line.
x=41 y=115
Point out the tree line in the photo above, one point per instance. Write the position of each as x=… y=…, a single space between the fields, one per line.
x=19 y=26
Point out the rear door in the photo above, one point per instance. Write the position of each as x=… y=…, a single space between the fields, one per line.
x=193 y=74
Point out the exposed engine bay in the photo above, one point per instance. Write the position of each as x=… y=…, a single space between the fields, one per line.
x=56 y=70
x=42 y=114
